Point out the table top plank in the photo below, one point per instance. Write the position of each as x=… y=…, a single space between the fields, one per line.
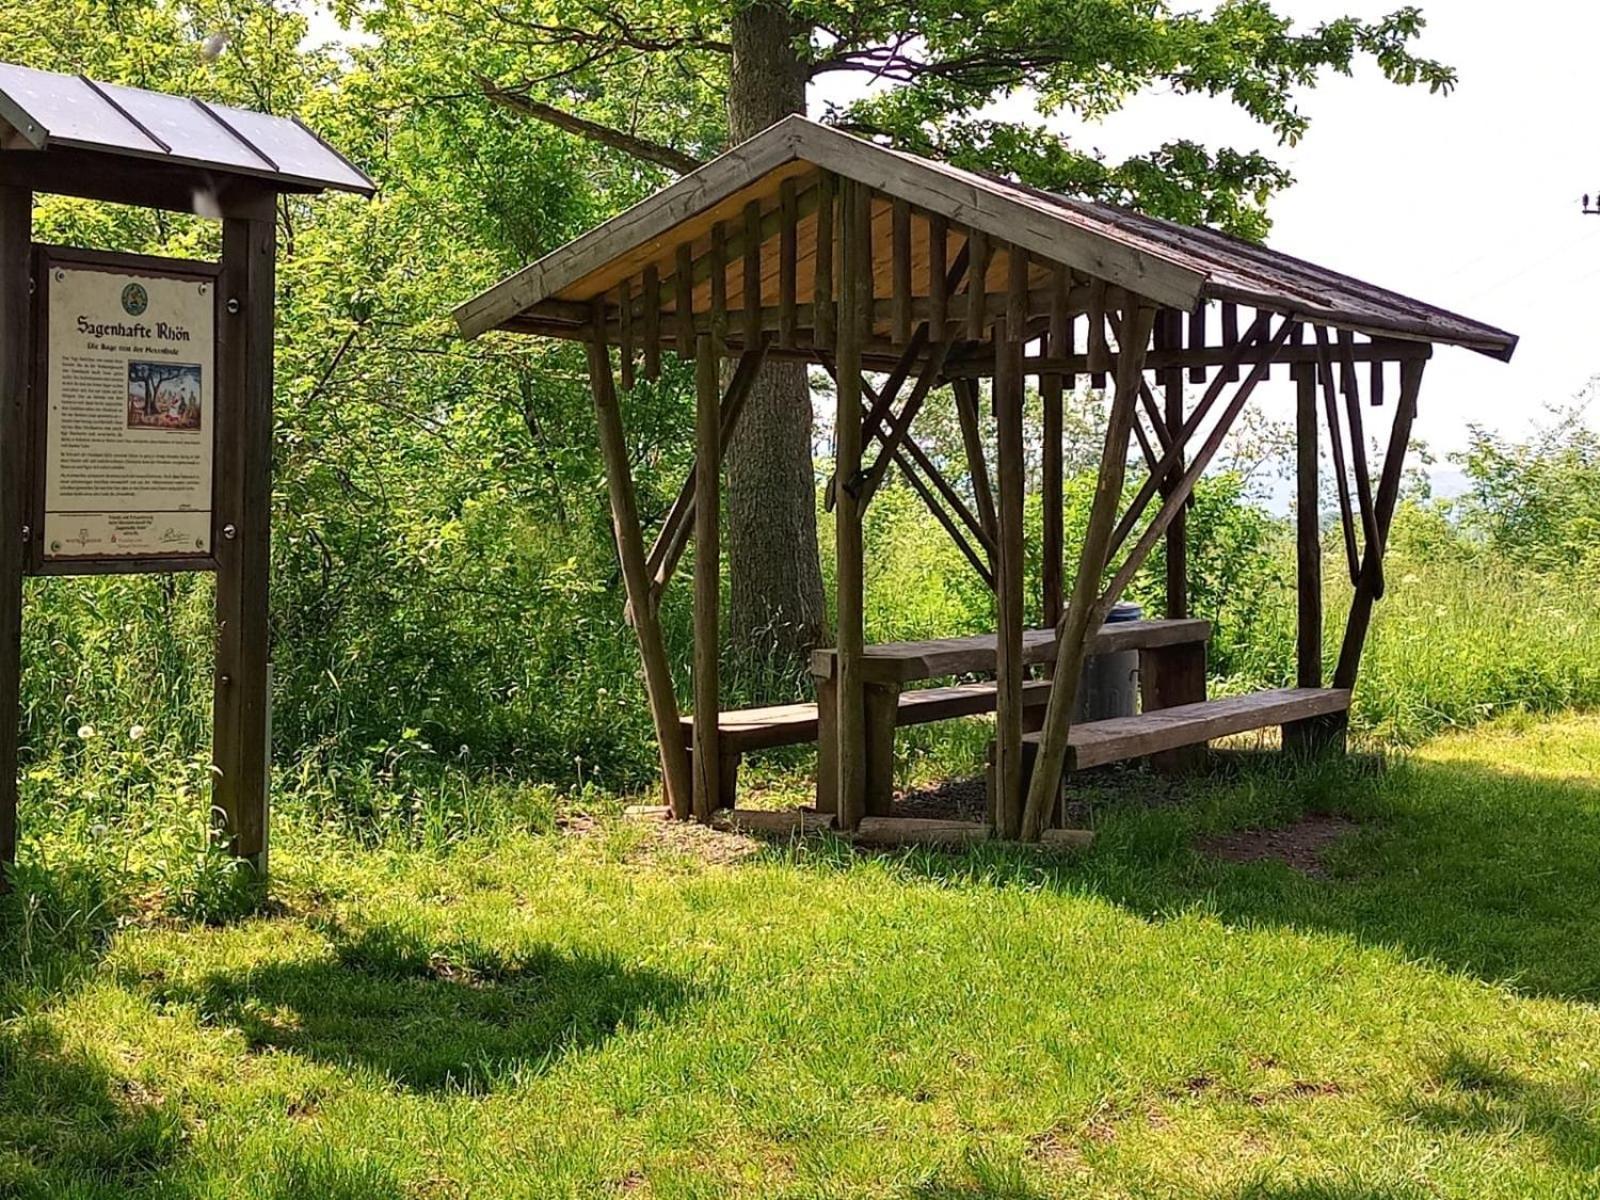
x=907 y=662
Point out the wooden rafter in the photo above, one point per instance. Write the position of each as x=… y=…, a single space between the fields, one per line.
x=1341 y=478
x=1169 y=460
x=1366 y=593
x=1178 y=496
x=966 y=401
x=673 y=535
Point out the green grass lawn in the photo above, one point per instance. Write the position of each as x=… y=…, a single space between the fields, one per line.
x=616 y=1010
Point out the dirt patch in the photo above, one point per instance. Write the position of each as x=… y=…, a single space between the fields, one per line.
x=1302 y=845
x=664 y=838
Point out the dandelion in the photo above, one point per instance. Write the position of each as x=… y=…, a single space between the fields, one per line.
x=136 y=733
x=87 y=731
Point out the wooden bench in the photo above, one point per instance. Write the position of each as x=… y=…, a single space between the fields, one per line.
x=744 y=731
x=1096 y=743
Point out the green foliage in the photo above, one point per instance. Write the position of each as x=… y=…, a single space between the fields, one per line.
x=1537 y=501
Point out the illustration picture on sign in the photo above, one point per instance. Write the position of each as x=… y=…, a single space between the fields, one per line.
x=164 y=396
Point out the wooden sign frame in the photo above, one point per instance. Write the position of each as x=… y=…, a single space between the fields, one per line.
x=46 y=259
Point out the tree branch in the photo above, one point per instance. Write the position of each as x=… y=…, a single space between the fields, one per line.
x=617 y=139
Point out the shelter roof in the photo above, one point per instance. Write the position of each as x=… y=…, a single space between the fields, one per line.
x=1174 y=265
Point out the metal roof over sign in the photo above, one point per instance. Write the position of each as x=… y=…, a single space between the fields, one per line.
x=45 y=110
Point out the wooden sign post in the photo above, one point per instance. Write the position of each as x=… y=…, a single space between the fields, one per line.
x=136 y=393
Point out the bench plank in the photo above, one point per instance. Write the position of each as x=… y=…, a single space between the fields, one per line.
x=1095 y=743
x=906 y=662
x=744 y=730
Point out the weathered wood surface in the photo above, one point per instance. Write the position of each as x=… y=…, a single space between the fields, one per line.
x=1095 y=743
x=906 y=662
x=1009 y=667
x=1370 y=580
x=242 y=696
x=16 y=217
x=1169 y=677
x=707 y=575
x=750 y=729
x=855 y=298
x=788 y=822
x=1230 y=357
x=1308 y=532
x=1341 y=478
x=636 y=581
x=673 y=536
x=1084 y=614
x=915 y=831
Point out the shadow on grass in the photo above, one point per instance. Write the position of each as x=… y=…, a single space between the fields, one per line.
x=55 y=925
x=457 y=1015
x=68 y=1127
x=1487 y=872
x=1467 y=1094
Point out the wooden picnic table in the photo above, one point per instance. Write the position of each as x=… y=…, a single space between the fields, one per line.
x=909 y=662
x=1172 y=671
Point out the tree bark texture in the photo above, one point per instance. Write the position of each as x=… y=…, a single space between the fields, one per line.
x=776 y=613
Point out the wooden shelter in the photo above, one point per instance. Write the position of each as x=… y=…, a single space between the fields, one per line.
x=806 y=243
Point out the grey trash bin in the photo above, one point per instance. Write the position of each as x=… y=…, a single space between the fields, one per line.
x=1109 y=685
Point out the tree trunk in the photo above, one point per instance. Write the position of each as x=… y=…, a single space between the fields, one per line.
x=776 y=613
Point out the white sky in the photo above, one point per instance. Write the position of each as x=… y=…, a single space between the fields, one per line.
x=1469 y=201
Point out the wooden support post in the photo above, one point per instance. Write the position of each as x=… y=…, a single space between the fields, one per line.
x=1308 y=531
x=242 y=700
x=707 y=579
x=1355 y=631
x=1017 y=296
x=938 y=284
x=1178 y=531
x=788 y=252
x=752 y=275
x=1197 y=338
x=636 y=579
x=880 y=710
x=16 y=248
x=1008 y=387
x=683 y=290
x=718 y=255
x=673 y=535
x=652 y=322
x=1358 y=450
x=1099 y=351
x=625 y=332
x=855 y=308
x=824 y=315
x=977 y=284
x=1075 y=626
x=1052 y=482
x=1230 y=337
x=900 y=270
